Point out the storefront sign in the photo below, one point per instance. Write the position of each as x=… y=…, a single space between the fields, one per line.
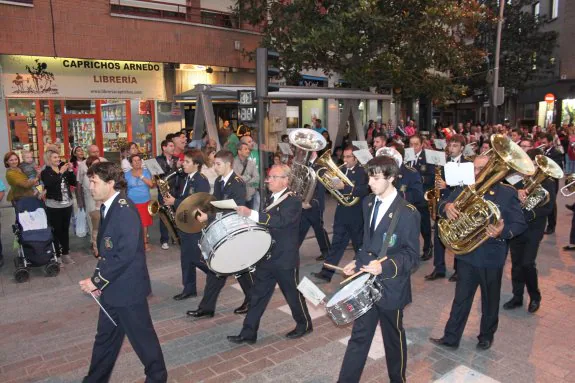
x=47 y=77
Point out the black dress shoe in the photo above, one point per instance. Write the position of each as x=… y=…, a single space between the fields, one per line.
x=183 y=296
x=320 y=276
x=199 y=313
x=294 y=334
x=453 y=277
x=533 y=306
x=513 y=303
x=427 y=255
x=238 y=339
x=242 y=309
x=570 y=207
x=549 y=230
x=484 y=344
x=320 y=258
x=434 y=275
x=569 y=248
x=442 y=342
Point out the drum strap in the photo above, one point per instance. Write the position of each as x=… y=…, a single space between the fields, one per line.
x=390 y=231
x=278 y=201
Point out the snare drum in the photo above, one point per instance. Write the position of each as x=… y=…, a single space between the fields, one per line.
x=232 y=244
x=354 y=300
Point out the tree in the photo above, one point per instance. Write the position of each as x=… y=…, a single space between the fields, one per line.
x=412 y=45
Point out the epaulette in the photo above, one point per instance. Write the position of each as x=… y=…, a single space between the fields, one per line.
x=122 y=202
x=203 y=176
x=410 y=168
x=411 y=207
x=239 y=179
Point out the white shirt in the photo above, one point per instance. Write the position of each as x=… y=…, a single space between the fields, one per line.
x=227 y=177
x=188 y=178
x=383 y=207
x=456 y=159
x=416 y=158
x=255 y=216
x=108 y=203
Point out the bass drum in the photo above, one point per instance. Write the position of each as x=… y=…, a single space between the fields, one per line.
x=233 y=244
x=353 y=300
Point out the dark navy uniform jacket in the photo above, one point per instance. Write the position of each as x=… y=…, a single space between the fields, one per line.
x=317 y=202
x=426 y=171
x=358 y=177
x=493 y=252
x=283 y=222
x=199 y=183
x=169 y=167
x=537 y=218
x=409 y=186
x=121 y=273
x=402 y=253
x=235 y=189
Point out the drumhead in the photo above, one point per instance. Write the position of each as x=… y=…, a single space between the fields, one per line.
x=348 y=290
x=240 y=251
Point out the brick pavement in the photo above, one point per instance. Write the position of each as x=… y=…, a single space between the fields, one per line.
x=47 y=328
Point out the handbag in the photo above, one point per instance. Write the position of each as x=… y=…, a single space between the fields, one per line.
x=81 y=223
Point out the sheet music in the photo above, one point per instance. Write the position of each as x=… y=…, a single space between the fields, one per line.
x=154 y=167
x=360 y=144
x=310 y=291
x=440 y=143
x=363 y=156
x=225 y=204
x=285 y=148
x=514 y=178
x=409 y=155
x=469 y=150
x=457 y=174
x=434 y=157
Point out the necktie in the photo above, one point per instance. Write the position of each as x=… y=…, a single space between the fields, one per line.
x=374 y=217
x=222 y=184
x=102 y=212
x=185 y=186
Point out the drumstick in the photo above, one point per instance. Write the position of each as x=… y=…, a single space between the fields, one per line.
x=359 y=272
x=333 y=267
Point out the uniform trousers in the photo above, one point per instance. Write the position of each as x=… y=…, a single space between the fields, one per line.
x=425 y=227
x=524 y=250
x=343 y=231
x=135 y=322
x=552 y=218
x=215 y=284
x=439 y=254
x=394 y=342
x=572 y=232
x=190 y=259
x=470 y=277
x=266 y=278
x=313 y=217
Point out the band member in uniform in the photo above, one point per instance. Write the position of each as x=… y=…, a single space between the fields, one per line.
x=312 y=215
x=190 y=253
x=281 y=217
x=427 y=172
x=551 y=152
x=455 y=146
x=169 y=164
x=393 y=274
x=378 y=142
x=228 y=185
x=121 y=280
x=408 y=181
x=483 y=266
x=348 y=221
x=524 y=247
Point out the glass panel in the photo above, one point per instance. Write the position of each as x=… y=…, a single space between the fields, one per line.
x=115 y=133
x=22 y=123
x=45 y=109
x=59 y=131
x=142 y=126
x=80 y=107
x=81 y=132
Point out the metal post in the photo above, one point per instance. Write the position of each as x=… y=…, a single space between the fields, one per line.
x=261 y=93
x=494 y=100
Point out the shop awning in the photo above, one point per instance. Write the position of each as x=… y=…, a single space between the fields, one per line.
x=230 y=93
x=561 y=89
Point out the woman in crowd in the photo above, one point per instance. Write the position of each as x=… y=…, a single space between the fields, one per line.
x=139 y=182
x=131 y=149
x=76 y=158
x=20 y=185
x=57 y=178
x=208 y=168
x=92 y=207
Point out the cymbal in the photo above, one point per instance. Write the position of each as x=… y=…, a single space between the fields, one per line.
x=185 y=218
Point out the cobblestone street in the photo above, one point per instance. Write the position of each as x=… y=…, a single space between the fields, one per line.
x=47 y=327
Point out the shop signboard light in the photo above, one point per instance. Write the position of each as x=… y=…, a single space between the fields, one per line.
x=550 y=98
x=72 y=78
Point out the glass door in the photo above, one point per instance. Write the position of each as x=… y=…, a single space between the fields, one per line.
x=81 y=131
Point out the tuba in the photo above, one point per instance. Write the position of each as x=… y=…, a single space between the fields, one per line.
x=166 y=213
x=468 y=231
x=536 y=194
x=328 y=171
x=569 y=188
x=303 y=178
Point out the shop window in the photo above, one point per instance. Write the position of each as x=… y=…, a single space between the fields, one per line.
x=537 y=10
x=23 y=126
x=114 y=125
x=554 y=12
x=143 y=125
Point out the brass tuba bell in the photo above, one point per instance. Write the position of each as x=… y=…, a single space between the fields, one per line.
x=302 y=179
x=468 y=231
x=536 y=194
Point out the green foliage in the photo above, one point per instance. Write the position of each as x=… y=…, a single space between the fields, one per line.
x=415 y=46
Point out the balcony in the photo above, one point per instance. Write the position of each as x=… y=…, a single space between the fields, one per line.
x=177 y=11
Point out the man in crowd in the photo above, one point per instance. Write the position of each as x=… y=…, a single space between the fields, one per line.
x=247 y=170
x=169 y=164
x=482 y=267
x=552 y=152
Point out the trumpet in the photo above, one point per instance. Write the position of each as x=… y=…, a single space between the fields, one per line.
x=569 y=188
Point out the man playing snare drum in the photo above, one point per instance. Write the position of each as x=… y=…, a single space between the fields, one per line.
x=393 y=274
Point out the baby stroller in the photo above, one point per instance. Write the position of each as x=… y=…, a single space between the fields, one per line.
x=35 y=239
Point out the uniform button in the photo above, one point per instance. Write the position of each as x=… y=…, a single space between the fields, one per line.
x=97 y=280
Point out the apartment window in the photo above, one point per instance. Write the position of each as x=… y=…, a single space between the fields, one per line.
x=536 y=9
x=554 y=9
x=27 y=3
